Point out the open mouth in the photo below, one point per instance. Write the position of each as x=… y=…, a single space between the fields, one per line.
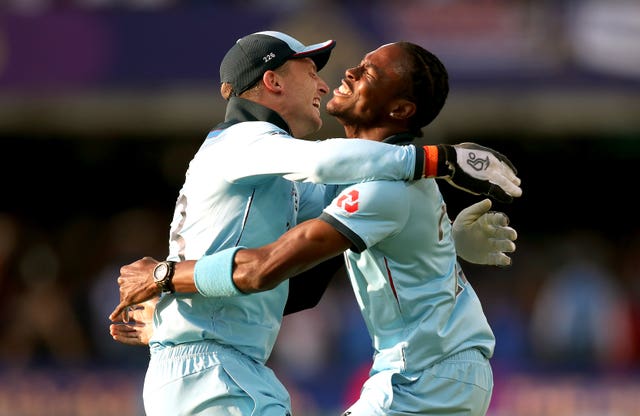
x=343 y=89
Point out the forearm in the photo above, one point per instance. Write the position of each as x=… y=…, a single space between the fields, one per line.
x=238 y=270
x=183 y=280
x=253 y=270
x=297 y=251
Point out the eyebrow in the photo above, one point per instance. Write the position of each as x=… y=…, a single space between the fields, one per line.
x=370 y=65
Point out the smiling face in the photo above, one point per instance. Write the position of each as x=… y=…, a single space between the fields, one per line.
x=300 y=98
x=371 y=92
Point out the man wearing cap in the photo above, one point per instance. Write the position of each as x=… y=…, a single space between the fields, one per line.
x=248 y=184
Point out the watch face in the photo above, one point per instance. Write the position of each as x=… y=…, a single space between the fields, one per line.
x=160 y=271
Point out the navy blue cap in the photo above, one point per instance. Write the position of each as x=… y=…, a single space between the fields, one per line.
x=253 y=55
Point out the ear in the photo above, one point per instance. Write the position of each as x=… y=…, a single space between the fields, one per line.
x=272 y=82
x=401 y=109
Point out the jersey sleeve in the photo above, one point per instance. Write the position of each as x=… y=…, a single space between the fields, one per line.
x=264 y=149
x=369 y=212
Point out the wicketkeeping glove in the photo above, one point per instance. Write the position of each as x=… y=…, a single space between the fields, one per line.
x=482 y=236
x=473 y=168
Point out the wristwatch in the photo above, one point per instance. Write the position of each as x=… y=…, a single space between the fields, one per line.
x=162 y=275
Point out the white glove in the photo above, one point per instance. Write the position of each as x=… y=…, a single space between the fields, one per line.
x=483 y=237
x=479 y=170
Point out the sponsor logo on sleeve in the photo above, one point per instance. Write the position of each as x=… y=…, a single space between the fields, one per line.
x=349 y=201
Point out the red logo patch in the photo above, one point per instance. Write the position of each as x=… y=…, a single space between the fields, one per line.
x=349 y=202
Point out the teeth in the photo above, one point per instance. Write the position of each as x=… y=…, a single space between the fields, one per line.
x=344 y=90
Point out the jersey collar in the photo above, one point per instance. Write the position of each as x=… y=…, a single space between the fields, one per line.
x=400 y=138
x=241 y=109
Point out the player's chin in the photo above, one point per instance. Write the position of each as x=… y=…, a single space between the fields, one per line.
x=336 y=105
x=317 y=124
x=315 y=119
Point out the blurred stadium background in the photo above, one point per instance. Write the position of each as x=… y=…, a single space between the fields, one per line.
x=103 y=103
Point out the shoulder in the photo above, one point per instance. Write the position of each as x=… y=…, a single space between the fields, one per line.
x=377 y=197
x=256 y=127
x=243 y=134
x=380 y=190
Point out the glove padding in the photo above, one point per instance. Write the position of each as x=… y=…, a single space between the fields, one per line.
x=481 y=171
x=482 y=236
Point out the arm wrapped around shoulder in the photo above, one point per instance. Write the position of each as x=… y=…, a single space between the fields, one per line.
x=473 y=168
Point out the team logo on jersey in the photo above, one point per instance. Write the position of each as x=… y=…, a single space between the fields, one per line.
x=349 y=201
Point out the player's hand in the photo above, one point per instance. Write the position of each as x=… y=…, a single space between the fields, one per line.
x=139 y=328
x=136 y=286
x=481 y=171
x=482 y=236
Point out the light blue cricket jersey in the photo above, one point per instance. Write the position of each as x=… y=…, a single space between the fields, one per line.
x=237 y=192
x=418 y=306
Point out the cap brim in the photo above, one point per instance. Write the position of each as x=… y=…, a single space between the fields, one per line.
x=319 y=52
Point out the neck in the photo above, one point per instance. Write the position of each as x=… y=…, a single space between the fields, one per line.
x=378 y=133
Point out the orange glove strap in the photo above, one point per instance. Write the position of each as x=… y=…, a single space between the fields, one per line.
x=430 y=161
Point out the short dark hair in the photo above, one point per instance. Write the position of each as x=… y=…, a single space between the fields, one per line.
x=429 y=86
